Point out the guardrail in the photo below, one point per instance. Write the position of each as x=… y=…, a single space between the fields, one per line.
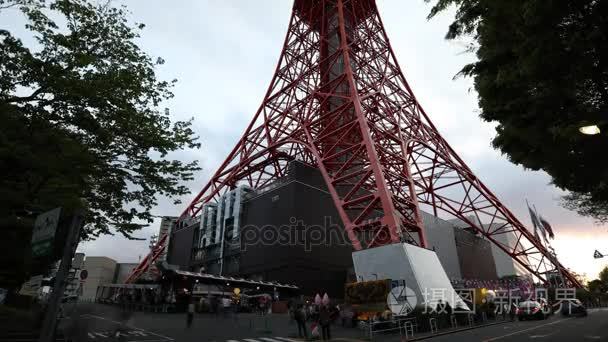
x=406 y=327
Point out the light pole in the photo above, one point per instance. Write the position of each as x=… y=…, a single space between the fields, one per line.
x=590 y=130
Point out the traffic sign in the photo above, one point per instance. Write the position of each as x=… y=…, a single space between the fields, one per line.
x=44 y=232
x=84 y=274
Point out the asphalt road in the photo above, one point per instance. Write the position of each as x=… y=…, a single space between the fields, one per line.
x=594 y=327
x=102 y=323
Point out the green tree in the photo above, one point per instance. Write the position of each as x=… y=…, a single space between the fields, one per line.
x=82 y=119
x=599 y=285
x=596 y=286
x=603 y=276
x=541 y=74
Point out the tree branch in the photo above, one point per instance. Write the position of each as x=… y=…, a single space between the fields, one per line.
x=31 y=97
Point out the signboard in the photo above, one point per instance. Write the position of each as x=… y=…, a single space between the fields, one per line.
x=77 y=261
x=44 y=232
x=31 y=287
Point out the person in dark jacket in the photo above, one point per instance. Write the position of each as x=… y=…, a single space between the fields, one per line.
x=300 y=318
x=324 y=322
x=190 y=313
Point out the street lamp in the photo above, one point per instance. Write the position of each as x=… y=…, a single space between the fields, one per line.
x=590 y=130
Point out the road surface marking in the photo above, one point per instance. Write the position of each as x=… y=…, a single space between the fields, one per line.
x=232 y=341
x=593 y=337
x=286 y=339
x=133 y=327
x=269 y=339
x=520 y=331
x=250 y=340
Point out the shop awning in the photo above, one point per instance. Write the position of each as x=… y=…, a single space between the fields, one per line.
x=132 y=286
x=234 y=280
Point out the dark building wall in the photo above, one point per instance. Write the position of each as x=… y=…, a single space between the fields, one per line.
x=180 y=247
x=293 y=234
x=475 y=256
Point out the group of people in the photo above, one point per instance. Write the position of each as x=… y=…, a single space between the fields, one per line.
x=217 y=305
x=319 y=314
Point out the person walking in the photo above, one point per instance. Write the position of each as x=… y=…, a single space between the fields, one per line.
x=190 y=314
x=513 y=311
x=214 y=305
x=300 y=318
x=226 y=302
x=263 y=302
x=325 y=322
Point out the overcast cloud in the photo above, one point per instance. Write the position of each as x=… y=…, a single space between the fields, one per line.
x=223 y=52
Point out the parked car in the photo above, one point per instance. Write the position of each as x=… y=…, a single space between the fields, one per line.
x=573 y=307
x=531 y=309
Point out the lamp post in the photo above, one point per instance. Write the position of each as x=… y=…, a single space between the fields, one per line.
x=590 y=130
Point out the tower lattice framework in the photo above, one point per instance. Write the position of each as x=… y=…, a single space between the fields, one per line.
x=339 y=101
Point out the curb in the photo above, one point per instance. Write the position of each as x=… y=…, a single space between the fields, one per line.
x=458 y=330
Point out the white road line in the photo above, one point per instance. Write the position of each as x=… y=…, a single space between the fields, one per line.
x=250 y=340
x=521 y=331
x=232 y=341
x=133 y=327
x=286 y=339
x=269 y=339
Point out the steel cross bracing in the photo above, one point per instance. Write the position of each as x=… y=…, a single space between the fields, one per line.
x=338 y=100
x=148 y=261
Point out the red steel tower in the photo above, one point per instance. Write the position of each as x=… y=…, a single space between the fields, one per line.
x=339 y=101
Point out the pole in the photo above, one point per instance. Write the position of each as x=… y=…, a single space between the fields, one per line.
x=47 y=333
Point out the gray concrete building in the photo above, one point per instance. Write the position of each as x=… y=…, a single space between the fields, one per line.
x=505 y=265
x=122 y=272
x=440 y=237
x=101 y=270
x=166 y=224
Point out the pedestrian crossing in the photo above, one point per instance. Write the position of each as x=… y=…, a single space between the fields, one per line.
x=266 y=339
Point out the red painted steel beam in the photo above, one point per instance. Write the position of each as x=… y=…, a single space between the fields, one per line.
x=338 y=100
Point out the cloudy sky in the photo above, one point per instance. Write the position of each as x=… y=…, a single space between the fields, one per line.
x=223 y=52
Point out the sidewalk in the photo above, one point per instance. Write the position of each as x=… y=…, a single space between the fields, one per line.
x=448 y=331
x=395 y=337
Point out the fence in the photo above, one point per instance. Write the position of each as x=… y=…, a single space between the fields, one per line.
x=406 y=327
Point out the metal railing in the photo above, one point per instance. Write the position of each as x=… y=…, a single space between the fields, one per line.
x=406 y=327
